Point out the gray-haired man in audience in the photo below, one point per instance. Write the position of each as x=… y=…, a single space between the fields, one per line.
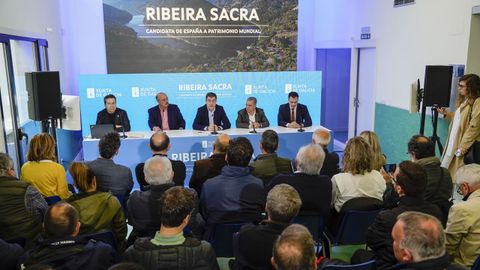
x=330 y=166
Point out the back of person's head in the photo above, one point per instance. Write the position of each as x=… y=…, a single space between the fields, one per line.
x=283 y=203
x=269 y=141
x=357 y=156
x=159 y=141
x=126 y=266
x=176 y=204
x=82 y=175
x=158 y=170
x=421 y=147
x=6 y=164
x=109 y=144
x=239 y=152
x=321 y=137
x=378 y=158
x=412 y=178
x=310 y=159
x=41 y=147
x=472 y=81
x=221 y=143
x=294 y=249
x=423 y=235
x=61 y=220
x=469 y=174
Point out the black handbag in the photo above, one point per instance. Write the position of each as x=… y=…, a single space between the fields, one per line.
x=473 y=154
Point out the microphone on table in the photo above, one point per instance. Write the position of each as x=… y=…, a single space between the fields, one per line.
x=123 y=126
x=301 y=128
x=214 y=132
x=253 y=126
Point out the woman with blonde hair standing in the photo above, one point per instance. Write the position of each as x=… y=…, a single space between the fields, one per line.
x=464 y=127
x=42 y=171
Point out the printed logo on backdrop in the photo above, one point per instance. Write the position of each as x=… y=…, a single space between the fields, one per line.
x=135 y=92
x=288 y=88
x=200 y=36
x=90 y=92
x=248 y=89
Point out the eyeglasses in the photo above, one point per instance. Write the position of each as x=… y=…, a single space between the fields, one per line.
x=459 y=190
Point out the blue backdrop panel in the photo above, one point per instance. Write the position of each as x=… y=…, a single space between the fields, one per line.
x=136 y=93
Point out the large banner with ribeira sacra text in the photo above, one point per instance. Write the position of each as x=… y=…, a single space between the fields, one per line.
x=156 y=36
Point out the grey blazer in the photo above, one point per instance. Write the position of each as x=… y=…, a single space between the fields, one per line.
x=112 y=177
x=243 y=122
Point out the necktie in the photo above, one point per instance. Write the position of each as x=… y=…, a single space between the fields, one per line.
x=292 y=116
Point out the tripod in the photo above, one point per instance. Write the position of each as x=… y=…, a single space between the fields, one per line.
x=435 y=139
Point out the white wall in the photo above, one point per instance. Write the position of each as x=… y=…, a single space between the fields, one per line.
x=408 y=38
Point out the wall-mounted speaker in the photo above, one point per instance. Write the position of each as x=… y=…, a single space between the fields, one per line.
x=44 y=95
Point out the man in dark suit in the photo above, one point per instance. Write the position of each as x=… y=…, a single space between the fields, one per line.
x=160 y=144
x=165 y=116
x=293 y=114
x=208 y=168
x=255 y=242
x=251 y=116
x=113 y=115
x=330 y=166
x=211 y=116
x=315 y=190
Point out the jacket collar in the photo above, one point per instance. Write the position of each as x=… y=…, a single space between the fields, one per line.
x=236 y=171
x=217 y=156
x=410 y=201
x=266 y=156
x=473 y=195
x=428 y=161
x=437 y=263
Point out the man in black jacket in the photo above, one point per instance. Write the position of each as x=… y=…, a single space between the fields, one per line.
x=170 y=249
x=330 y=166
x=419 y=243
x=64 y=247
x=113 y=115
x=410 y=185
x=160 y=144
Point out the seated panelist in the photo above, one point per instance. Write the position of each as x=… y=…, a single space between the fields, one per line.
x=165 y=116
x=251 y=116
x=211 y=116
x=293 y=114
x=113 y=115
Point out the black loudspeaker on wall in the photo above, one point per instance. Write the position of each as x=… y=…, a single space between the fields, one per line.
x=437 y=86
x=44 y=96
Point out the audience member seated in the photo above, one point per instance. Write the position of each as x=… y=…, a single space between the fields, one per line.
x=330 y=164
x=64 y=248
x=410 y=185
x=235 y=196
x=98 y=210
x=294 y=249
x=255 y=242
x=315 y=190
x=22 y=207
x=208 y=168
x=144 y=206
x=159 y=145
x=269 y=164
x=439 y=182
x=10 y=255
x=463 y=226
x=419 y=243
x=42 y=171
x=170 y=249
x=111 y=177
x=378 y=158
x=358 y=179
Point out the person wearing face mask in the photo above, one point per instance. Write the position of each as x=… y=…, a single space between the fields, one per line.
x=463 y=232
x=211 y=117
x=464 y=127
x=113 y=115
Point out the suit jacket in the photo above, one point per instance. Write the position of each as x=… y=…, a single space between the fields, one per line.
x=219 y=118
x=175 y=117
x=330 y=164
x=178 y=167
x=314 y=190
x=266 y=166
x=120 y=119
x=243 y=121
x=111 y=177
x=205 y=169
x=302 y=115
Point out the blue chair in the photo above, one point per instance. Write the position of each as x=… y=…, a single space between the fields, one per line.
x=370 y=265
x=353 y=229
x=221 y=238
x=476 y=264
x=316 y=225
x=52 y=199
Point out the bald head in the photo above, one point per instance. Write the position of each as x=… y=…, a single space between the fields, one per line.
x=220 y=145
x=321 y=137
x=294 y=249
x=61 y=220
x=420 y=147
x=159 y=143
